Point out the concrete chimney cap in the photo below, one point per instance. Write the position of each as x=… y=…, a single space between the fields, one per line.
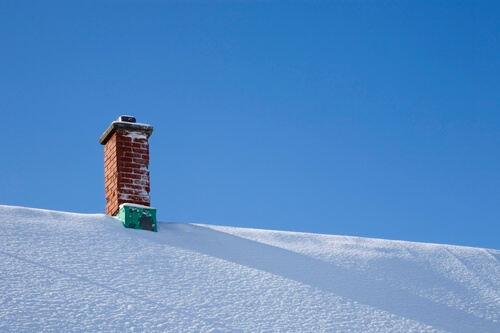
x=125 y=126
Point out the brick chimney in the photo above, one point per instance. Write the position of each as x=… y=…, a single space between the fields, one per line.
x=126 y=162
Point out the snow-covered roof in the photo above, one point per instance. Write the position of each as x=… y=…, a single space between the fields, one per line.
x=65 y=272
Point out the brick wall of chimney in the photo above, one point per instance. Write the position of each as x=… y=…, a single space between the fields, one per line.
x=126 y=165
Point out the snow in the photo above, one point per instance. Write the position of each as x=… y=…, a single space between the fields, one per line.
x=137 y=135
x=63 y=272
x=135 y=205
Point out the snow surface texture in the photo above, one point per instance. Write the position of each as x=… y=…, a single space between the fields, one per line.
x=64 y=272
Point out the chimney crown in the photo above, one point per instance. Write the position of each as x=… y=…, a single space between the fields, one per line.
x=126 y=124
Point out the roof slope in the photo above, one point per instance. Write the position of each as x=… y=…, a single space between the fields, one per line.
x=76 y=272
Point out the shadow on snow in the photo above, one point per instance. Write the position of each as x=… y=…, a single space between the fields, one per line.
x=316 y=273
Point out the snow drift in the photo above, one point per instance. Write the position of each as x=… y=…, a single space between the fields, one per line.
x=63 y=272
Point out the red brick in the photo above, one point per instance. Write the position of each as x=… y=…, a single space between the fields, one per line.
x=131 y=176
x=125 y=171
x=134 y=166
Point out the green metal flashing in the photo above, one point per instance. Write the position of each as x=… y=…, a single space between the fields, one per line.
x=137 y=217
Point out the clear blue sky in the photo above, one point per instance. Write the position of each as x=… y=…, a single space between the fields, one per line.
x=376 y=119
